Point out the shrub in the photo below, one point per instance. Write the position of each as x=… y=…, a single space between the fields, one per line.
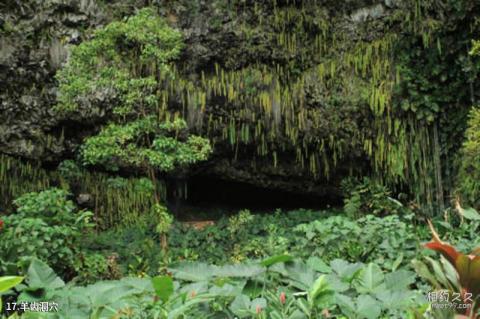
x=368 y=197
x=456 y=274
x=91 y=267
x=45 y=225
x=469 y=174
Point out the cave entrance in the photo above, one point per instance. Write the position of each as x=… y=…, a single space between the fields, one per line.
x=211 y=198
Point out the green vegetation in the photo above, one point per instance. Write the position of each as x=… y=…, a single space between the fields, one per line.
x=125 y=62
x=469 y=176
x=46 y=225
x=469 y=172
x=298 y=264
x=94 y=235
x=455 y=274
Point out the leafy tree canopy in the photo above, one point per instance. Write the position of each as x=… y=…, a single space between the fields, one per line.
x=121 y=68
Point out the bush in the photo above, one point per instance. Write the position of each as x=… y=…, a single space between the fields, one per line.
x=45 y=225
x=468 y=182
x=368 y=197
x=92 y=267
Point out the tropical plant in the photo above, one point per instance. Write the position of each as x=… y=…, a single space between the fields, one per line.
x=122 y=66
x=46 y=225
x=461 y=274
x=369 y=197
x=389 y=241
x=7 y=283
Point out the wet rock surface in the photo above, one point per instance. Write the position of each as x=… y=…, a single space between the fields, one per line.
x=34 y=42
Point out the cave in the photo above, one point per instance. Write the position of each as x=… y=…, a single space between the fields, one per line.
x=208 y=195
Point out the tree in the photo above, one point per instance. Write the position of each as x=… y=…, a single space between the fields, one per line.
x=120 y=71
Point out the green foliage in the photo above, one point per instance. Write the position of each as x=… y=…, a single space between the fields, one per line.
x=7 y=283
x=457 y=272
x=41 y=279
x=69 y=170
x=114 y=59
x=475 y=48
x=241 y=237
x=290 y=289
x=91 y=267
x=369 y=197
x=45 y=225
x=468 y=182
x=163 y=286
x=165 y=220
x=115 y=146
x=388 y=241
x=121 y=69
x=19 y=177
x=50 y=205
x=237 y=224
x=328 y=278
x=115 y=200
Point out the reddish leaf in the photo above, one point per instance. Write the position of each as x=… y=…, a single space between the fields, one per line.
x=468 y=268
x=445 y=249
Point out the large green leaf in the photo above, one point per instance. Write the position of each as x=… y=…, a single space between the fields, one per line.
x=244 y=271
x=345 y=270
x=399 y=280
x=194 y=288
x=337 y=284
x=163 y=286
x=41 y=276
x=320 y=292
x=368 y=307
x=300 y=275
x=228 y=290
x=108 y=292
x=423 y=271
x=199 y=272
x=8 y=282
x=364 y=307
x=370 y=279
x=241 y=306
x=346 y=304
x=180 y=312
x=394 y=299
x=193 y=271
x=253 y=288
x=318 y=265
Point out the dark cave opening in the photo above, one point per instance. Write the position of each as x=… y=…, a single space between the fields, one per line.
x=214 y=197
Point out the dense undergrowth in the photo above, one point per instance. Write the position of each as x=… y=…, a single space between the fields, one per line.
x=296 y=264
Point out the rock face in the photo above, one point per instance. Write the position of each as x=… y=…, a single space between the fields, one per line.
x=35 y=38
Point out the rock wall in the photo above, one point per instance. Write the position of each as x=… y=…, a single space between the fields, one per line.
x=338 y=135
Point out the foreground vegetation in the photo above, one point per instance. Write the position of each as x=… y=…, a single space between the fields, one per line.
x=297 y=264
